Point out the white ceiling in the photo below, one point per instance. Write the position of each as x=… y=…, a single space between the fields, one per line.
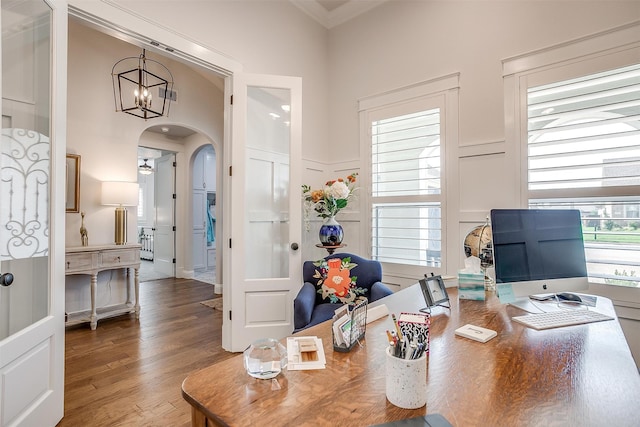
x=330 y=13
x=172 y=131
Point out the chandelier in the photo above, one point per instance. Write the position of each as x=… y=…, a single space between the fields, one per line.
x=135 y=79
x=145 y=169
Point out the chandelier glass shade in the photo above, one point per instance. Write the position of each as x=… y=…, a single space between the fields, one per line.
x=136 y=82
x=145 y=169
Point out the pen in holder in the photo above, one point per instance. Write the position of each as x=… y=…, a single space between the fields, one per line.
x=406 y=380
x=349 y=328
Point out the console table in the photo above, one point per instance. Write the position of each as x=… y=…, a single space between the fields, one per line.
x=574 y=376
x=91 y=260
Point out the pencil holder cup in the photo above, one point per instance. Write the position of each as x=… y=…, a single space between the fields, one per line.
x=406 y=381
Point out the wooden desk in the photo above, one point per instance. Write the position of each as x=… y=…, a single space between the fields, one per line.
x=574 y=376
x=91 y=260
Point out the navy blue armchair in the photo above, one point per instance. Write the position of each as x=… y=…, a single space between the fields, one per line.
x=345 y=281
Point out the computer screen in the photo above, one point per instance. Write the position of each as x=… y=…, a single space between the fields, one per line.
x=539 y=250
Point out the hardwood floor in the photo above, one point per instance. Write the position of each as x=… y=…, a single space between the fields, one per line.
x=129 y=372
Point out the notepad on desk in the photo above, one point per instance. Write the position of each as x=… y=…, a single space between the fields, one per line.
x=305 y=353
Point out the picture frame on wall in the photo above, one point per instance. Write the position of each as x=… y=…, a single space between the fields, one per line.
x=72 y=193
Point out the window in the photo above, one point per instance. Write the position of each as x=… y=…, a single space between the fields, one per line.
x=404 y=135
x=583 y=152
x=405 y=177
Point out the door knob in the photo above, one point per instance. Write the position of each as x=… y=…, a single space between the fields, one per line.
x=6 y=279
x=294 y=246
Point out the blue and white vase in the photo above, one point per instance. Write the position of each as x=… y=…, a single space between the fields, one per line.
x=331 y=233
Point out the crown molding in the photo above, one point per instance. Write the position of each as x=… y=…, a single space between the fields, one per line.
x=339 y=15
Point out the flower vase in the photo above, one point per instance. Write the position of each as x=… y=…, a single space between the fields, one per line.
x=331 y=233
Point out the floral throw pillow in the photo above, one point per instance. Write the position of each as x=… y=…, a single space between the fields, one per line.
x=335 y=283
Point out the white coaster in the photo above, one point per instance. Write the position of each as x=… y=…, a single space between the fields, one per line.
x=476 y=333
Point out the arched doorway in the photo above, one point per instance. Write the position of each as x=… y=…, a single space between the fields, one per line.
x=193 y=193
x=204 y=206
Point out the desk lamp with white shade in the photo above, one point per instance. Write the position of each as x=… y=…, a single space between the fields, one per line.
x=120 y=194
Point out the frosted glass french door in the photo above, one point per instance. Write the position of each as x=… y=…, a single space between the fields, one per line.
x=266 y=209
x=33 y=68
x=25 y=165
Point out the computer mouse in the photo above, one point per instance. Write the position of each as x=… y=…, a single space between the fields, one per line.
x=569 y=297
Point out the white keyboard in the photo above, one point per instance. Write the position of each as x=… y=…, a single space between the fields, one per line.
x=557 y=319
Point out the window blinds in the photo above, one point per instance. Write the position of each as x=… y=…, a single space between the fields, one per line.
x=585 y=132
x=584 y=145
x=406 y=154
x=406 y=189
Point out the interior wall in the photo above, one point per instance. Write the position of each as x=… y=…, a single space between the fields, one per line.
x=282 y=40
x=266 y=37
x=107 y=141
x=401 y=43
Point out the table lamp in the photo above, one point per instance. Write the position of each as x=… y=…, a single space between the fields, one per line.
x=120 y=194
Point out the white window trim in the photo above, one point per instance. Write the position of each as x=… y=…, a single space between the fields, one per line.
x=609 y=49
x=447 y=88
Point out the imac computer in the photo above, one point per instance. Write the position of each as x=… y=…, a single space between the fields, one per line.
x=539 y=251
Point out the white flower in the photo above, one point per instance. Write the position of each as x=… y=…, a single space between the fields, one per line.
x=338 y=190
x=330 y=200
